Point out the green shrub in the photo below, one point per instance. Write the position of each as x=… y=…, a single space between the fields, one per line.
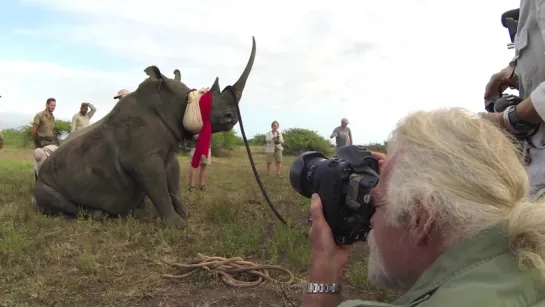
x=226 y=140
x=62 y=126
x=14 y=138
x=258 y=139
x=376 y=147
x=22 y=137
x=298 y=140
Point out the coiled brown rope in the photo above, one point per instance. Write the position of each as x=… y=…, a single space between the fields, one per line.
x=228 y=268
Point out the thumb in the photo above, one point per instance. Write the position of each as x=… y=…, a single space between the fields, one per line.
x=316 y=209
x=380 y=165
x=378 y=155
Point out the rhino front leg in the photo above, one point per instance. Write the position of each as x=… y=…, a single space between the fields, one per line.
x=173 y=181
x=151 y=174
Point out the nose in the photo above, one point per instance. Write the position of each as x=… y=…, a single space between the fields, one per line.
x=229 y=116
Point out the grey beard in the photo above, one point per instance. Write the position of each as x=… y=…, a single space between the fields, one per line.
x=376 y=272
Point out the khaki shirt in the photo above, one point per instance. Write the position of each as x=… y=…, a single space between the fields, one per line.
x=45 y=124
x=81 y=121
x=529 y=63
x=342 y=136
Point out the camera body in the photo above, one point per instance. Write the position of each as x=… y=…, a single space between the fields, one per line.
x=500 y=104
x=344 y=184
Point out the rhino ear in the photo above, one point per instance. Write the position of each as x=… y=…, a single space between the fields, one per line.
x=153 y=72
x=177 y=75
x=216 y=86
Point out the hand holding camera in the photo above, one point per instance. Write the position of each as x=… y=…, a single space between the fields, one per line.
x=499 y=82
x=344 y=185
x=337 y=218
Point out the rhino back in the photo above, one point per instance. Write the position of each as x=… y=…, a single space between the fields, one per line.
x=77 y=133
x=88 y=172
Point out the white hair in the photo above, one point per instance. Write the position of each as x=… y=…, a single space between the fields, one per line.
x=468 y=175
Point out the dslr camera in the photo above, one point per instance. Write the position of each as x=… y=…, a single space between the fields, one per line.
x=500 y=104
x=344 y=184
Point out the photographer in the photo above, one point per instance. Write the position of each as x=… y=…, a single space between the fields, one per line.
x=527 y=73
x=274 y=149
x=452 y=225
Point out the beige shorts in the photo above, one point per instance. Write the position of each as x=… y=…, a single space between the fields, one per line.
x=204 y=160
x=276 y=156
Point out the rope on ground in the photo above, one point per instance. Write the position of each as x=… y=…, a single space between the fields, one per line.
x=230 y=268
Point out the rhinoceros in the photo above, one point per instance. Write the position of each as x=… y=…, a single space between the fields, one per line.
x=109 y=167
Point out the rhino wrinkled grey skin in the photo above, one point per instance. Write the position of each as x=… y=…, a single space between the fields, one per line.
x=110 y=167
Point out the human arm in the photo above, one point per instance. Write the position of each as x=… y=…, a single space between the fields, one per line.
x=327 y=260
x=93 y=109
x=34 y=130
x=500 y=81
x=350 y=136
x=269 y=137
x=1 y=140
x=74 y=124
x=35 y=124
x=334 y=133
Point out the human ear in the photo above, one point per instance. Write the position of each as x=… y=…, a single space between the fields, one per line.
x=422 y=225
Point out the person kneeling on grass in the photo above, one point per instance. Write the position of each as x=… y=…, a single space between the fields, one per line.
x=452 y=226
x=193 y=171
x=40 y=154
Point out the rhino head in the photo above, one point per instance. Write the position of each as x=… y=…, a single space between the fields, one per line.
x=172 y=96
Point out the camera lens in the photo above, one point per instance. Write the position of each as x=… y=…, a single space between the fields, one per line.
x=302 y=171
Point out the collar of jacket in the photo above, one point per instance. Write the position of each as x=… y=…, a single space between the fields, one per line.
x=467 y=254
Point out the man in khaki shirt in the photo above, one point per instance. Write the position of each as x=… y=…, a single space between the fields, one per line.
x=81 y=119
x=43 y=125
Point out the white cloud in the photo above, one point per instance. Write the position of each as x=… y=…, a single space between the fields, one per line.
x=316 y=61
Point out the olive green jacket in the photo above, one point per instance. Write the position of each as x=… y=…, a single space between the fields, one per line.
x=480 y=271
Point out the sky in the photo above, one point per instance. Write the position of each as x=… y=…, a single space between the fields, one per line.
x=372 y=62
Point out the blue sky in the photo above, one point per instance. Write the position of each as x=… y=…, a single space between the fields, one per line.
x=315 y=63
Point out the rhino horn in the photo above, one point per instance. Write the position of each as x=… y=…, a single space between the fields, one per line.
x=239 y=85
x=216 y=86
x=153 y=72
x=177 y=75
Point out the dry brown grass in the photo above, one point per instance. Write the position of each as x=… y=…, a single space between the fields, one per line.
x=60 y=262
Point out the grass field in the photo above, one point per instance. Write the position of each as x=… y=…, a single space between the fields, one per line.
x=118 y=262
